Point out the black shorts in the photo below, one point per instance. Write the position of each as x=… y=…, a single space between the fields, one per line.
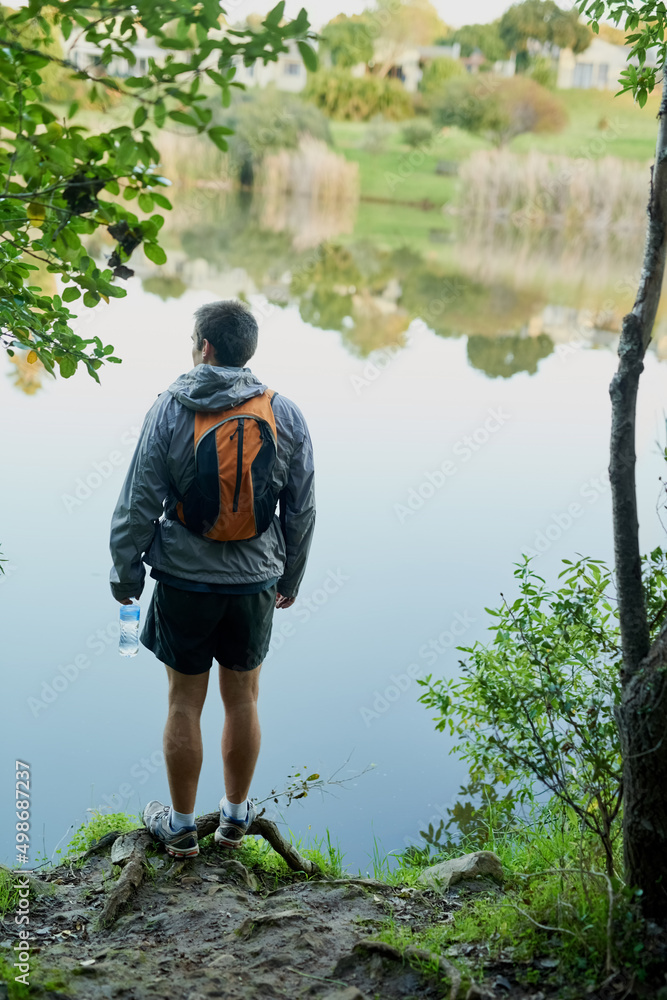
x=187 y=630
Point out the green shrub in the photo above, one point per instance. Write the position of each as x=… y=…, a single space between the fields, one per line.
x=543 y=71
x=264 y=121
x=535 y=705
x=340 y=95
x=436 y=74
x=97 y=826
x=376 y=135
x=417 y=133
x=498 y=109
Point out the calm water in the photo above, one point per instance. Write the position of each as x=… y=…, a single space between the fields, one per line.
x=499 y=385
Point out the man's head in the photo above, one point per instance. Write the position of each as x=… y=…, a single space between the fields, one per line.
x=225 y=334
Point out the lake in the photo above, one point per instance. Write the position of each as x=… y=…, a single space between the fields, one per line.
x=456 y=390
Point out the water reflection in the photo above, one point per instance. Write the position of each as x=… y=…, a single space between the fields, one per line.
x=515 y=295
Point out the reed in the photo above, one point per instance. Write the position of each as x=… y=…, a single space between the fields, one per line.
x=310 y=191
x=531 y=191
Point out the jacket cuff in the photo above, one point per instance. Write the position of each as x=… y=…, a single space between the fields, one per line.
x=121 y=591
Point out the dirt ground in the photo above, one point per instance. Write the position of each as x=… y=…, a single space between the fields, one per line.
x=208 y=927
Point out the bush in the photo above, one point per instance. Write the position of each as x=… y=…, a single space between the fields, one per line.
x=265 y=121
x=417 y=133
x=437 y=73
x=498 y=109
x=377 y=135
x=340 y=95
x=543 y=71
x=536 y=705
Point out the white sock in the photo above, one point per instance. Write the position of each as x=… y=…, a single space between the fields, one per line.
x=178 y=821
x=234 y=810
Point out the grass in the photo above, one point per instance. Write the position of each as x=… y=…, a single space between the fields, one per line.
x=9 y=895
x=15 y=991
x=98 y=825
x=259 y=857
x=599 y=125
x=555 y=905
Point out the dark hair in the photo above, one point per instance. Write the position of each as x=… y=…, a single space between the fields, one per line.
x=231 y=330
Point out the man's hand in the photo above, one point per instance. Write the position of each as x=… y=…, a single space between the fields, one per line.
x=284 y=602
x=126 y=600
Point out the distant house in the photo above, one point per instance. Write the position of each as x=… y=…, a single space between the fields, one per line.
x=86 y=56
x=477 y=62
x=597 y=68
x=287 y=73
x=408 y=65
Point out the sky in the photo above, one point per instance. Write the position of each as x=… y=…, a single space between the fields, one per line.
x=453 y=12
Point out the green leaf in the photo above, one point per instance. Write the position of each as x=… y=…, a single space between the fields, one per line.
x=183 y=118
x=155 y=253
x=71 y=294
x=140 y=116
x=160 y=200
x=275 y=16
x=308 y=55
x=67 y=366
x=159 y=113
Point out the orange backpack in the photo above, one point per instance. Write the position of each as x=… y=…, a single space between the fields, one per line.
x=231 y=497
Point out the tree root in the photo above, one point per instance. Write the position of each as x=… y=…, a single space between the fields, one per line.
x=138 y=841
x=445 y=968
x=267 y=829
x=129 y=851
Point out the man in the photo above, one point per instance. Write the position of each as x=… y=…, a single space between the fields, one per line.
x=213 y=599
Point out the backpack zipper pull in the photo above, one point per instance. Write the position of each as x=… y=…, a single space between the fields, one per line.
x=232 y=436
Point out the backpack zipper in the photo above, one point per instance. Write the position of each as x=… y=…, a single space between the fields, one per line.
x=239 y=462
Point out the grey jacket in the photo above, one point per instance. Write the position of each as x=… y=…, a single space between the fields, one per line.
x=164 y=458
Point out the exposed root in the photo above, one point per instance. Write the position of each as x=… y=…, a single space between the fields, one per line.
x=445 y=968
x=267 y=829
x=129 y=851
x=137 y=842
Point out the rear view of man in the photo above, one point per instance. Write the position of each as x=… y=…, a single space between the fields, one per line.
x=219 y=501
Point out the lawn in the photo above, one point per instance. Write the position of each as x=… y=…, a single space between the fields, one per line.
x=599 y=125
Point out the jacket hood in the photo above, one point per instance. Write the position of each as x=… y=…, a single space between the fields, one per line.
x=208 y=387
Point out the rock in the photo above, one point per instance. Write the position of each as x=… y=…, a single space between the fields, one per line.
x=251 y=924
x=502 y=983
x=222 y=961
x=122 y=848
x=481 y=863
x=350 y=993
x=477 y=992
x=232 y=868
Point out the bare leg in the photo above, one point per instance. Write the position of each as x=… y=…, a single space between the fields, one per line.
x=241 y=733
x=182 y=737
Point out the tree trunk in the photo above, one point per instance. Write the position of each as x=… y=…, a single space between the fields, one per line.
x=642 y=714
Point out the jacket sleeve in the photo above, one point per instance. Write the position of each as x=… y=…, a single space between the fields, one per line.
x=140 y=503
x=297 y=510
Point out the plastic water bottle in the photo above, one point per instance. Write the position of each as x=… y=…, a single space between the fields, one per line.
x=128 y=644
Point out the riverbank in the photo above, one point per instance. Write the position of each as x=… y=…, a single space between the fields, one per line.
x=246 y=925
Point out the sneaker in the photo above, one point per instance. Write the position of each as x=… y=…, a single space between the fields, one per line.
x=182 y=844
x=231 y=832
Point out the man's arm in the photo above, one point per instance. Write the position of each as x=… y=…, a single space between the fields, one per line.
x=140 y=503
x=297 y=513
